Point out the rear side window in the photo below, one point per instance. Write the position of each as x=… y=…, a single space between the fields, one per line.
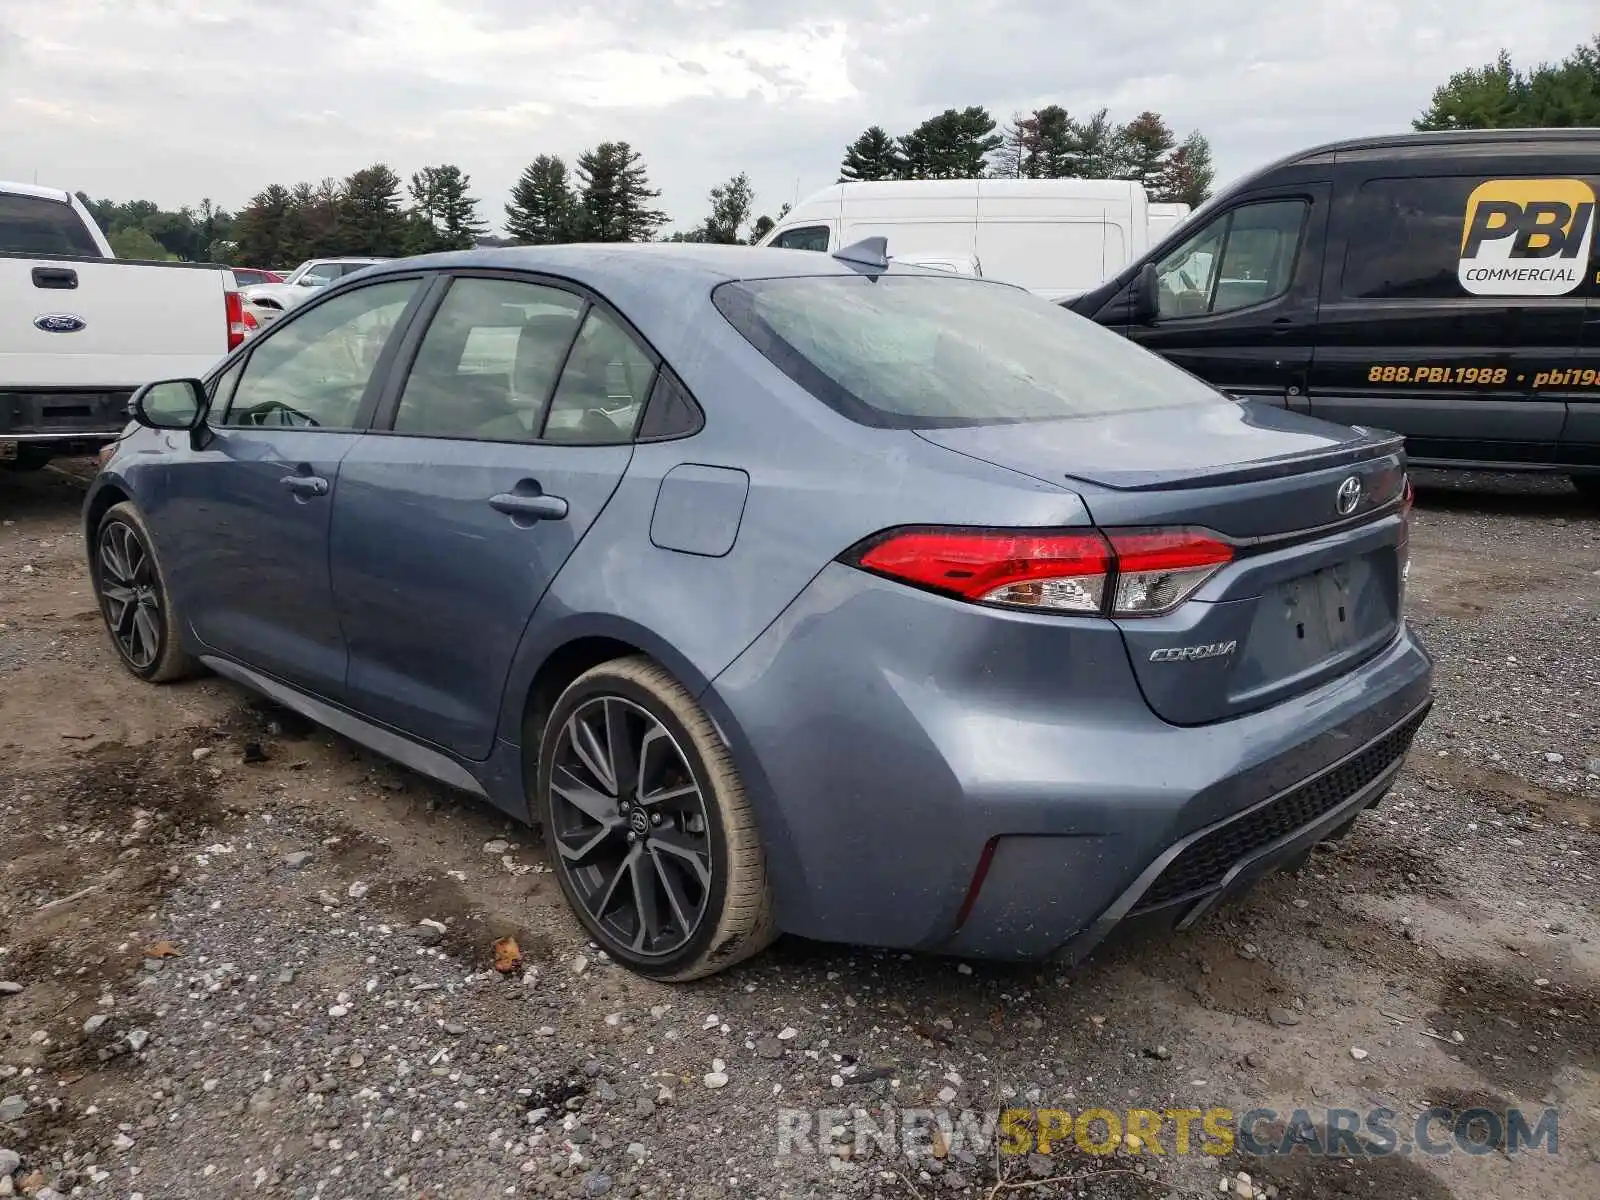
x=1404 y=238
x=920 y=351
x=34 y=225
x=489 y=360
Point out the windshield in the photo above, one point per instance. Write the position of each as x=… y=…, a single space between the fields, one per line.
x=911 y=351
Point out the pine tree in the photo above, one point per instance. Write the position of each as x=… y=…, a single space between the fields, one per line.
x=730 y=210
x=1096 y=147
x=444 y=216
x=616 y=195
x=370 y=220
x=1142 y=148
x=871 y=156
x=953 y=145
x=261 y=229
x=543 y=210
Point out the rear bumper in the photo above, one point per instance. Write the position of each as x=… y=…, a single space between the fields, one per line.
x=55 y=418
x=892 y=741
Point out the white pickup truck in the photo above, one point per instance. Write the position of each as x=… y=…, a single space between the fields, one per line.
x=80 y=329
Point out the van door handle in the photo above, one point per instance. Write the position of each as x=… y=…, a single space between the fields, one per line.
x=58 y=278
x=1283 y=325
x=529 y=507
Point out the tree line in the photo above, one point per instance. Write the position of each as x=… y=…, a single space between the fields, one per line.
x=606 y=195
x=1499 y=95
x=1047 y=143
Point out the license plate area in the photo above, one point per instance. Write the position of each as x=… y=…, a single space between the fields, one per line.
x=1317 y=617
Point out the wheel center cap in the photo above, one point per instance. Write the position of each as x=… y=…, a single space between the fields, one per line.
x=638 y=821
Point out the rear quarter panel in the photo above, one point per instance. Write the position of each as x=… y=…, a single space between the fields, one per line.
x=818 y=485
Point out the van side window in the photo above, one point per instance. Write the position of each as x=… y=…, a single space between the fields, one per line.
x=1243 y=258
x=1404 y=238
x=805 y=237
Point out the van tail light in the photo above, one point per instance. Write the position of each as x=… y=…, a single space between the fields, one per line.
x=1122 y=573
x=236 y=319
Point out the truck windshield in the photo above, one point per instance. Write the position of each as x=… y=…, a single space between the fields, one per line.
x=919 y=351
x=35 y=225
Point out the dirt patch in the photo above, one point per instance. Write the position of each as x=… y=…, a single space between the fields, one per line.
x=1301 y=1176
x=471 y=928
x=1518 y=1034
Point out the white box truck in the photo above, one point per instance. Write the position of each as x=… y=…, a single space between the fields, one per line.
x=1055 y=237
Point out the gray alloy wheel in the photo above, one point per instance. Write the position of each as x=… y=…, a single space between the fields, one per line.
x=134 y=600
x=648 y=827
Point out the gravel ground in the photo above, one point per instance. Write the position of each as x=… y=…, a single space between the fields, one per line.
x=240 y=957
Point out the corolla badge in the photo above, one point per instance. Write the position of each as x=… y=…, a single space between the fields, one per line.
x=59 y=323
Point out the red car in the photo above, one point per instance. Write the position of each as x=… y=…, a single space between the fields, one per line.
x=250 y=276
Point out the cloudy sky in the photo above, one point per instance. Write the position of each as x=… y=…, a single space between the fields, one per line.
x=173 y=100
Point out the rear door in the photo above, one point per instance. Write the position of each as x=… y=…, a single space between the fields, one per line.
x=489 y=460
x=1435 y=322
x=1238 y=297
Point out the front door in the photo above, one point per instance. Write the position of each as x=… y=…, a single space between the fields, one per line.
x=1238 y=297
x=503 y=444
x=249 y=510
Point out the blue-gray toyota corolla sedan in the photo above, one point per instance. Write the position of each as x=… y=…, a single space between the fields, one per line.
x=787 y=592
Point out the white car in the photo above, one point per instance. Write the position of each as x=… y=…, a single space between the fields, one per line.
x=269 y=301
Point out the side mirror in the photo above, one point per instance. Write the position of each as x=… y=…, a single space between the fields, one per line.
x=311 y=281
x=170 y=404
x=1145 y=298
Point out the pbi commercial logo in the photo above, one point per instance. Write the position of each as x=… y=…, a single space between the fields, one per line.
x=1527 y=237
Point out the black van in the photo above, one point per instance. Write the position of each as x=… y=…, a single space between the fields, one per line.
x=1442 y=285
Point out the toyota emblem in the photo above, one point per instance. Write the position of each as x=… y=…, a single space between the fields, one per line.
x=1348 y=496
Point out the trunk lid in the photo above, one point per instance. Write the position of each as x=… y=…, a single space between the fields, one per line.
x=1312 y=591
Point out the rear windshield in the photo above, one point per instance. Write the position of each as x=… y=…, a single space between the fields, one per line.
x=33 y=225
x=909 y=351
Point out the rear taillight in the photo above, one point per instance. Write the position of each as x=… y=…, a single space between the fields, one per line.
x=1158 y=570
x=1123 y=573
x=235 y=312
x=1407 y=500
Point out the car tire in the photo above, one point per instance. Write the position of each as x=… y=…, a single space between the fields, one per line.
x=134 y=599
x=661 y=825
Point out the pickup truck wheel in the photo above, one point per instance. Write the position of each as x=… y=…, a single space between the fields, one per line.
x=134 y=599
x=649 y=830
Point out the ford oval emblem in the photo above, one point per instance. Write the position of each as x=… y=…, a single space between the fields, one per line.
x=59 y=323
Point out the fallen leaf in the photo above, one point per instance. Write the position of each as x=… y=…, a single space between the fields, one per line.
x=162 y=949
x=940 y=1146
x=507 y=955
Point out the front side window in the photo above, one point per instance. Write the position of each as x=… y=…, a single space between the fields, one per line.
x=489 y=361
x=312 y=371
x=603 y=385
x=917 y=351
x=1243 y=258
x=806 y=237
